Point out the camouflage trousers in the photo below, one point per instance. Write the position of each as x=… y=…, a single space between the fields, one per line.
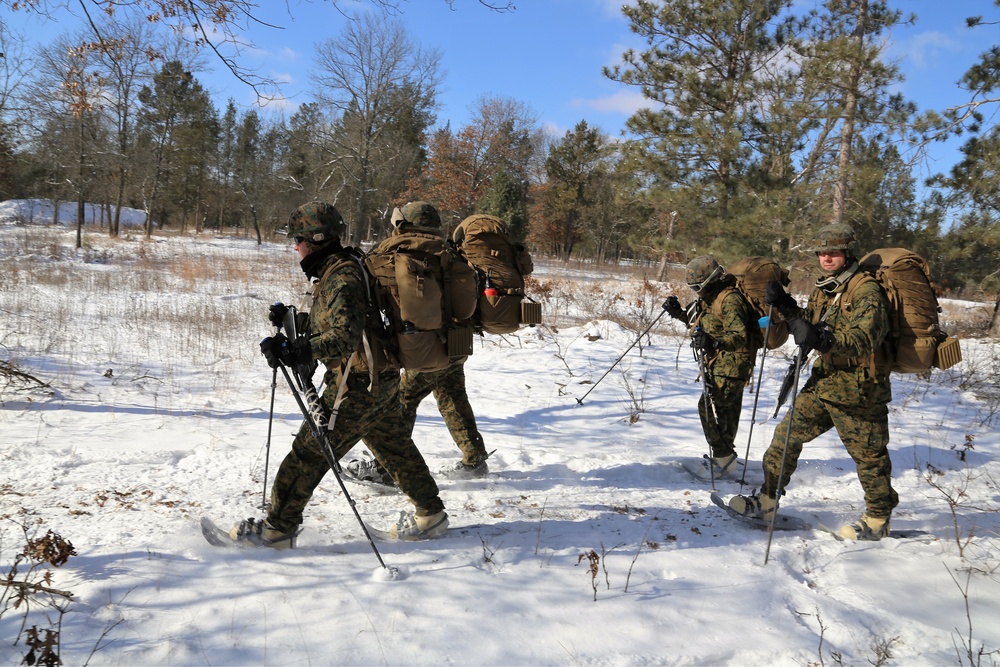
x=864 y=430
x=727 y=401
x=448 y=387
x=377 y=420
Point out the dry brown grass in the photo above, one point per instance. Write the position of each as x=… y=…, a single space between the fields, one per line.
x=177 y=299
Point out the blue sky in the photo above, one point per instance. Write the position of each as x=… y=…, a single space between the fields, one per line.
x=549 y=54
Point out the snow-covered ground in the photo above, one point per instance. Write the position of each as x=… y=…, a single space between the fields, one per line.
x=42 y=211
x=156 y=414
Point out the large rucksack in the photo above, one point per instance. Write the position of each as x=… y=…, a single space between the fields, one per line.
x=916 y=342
x=485 y=242
x=427 y=293
x=752 y=276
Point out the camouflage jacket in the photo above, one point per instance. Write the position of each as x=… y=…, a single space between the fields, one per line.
x=728 y=326
x=339 y=308
x=848 y=374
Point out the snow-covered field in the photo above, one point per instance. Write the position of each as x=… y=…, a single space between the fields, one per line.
x=156 y=413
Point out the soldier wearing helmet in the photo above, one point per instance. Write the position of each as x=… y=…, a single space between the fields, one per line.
x=447 y=384
x=846 y=321
x=416 y=214
x=316 y=224
x=724 y=331
x=337 y=321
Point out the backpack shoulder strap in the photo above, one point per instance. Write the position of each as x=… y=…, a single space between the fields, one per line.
x=861 y=278
x=844 y=300
x=754 y=338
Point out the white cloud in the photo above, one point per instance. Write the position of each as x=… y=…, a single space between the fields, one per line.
x=288 y=54
x=625 y=102
x=283 y=78
x=613 y=8
x=554 y=130
x=924 y=48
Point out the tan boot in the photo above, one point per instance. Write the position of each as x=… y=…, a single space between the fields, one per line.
x=754 y=506
x=868 y=528
x=727 y=465
x=412 y=527
x=261 y=534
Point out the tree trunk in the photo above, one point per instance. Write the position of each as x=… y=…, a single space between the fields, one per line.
x=81 y=214
x=850 y=112
x=661 y=273
x=995 y=320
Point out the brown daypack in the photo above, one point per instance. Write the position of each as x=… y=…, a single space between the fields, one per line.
x=485 y=243
x=916 y=342
x=427 y=293
x=752 y=276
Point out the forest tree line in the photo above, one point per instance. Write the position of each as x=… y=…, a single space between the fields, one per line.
x=763 y=123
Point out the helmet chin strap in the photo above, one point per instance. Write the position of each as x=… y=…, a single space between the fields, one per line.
x=835 y=283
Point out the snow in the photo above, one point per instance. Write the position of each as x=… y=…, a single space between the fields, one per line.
x=157 y=414
x=37 y=211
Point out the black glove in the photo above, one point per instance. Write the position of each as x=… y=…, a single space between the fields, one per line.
x=674 y=309
x=297 y=352
x=810 y=336
x=270 y=347
x=279 y=350
x=703 y=341
x=276 y=314
x=775 y=295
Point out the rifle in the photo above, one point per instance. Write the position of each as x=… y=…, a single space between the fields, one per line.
x=706 y=389
x=791 y=378
x=792 y=374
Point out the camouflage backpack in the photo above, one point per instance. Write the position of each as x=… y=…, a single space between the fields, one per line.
x=485 y=243
x=752 y=276
x=427 y=293
x=916 y=342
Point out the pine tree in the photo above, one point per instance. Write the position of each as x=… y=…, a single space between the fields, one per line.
x=170 y=107
x=703 y=74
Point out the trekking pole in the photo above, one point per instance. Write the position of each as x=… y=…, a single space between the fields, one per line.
x=784 y=450
x=267 y=446
x=756 y=397
x=308 y=412
x=270 y=419
x=636 y=342
x=706 y=392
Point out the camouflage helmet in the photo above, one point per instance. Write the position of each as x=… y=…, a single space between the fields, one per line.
x=418 y=213
x=702 y=272
x=316 y=222
x=836 y=236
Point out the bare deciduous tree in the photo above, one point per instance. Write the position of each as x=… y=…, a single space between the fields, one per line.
x=380 y=88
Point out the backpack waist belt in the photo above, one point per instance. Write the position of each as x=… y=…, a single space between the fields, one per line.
x=844 y=362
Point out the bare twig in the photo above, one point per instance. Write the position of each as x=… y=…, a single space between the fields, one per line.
x=637 y=552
